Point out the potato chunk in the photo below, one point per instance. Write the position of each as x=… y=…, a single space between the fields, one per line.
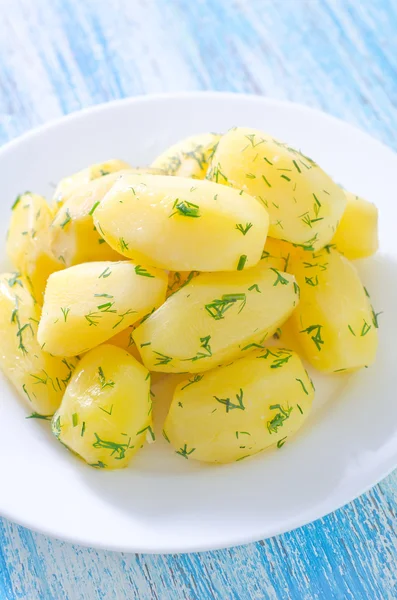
x=232 y=412
x=304 y=204
x=334 y=321
x=28 y=242
x=188 y=157
x=39 y=378
x=73 y=234
x=69 y=185
x=105 y=415
x=357 y=233
x=216 y=318
x=87 y=304
x=182 y=225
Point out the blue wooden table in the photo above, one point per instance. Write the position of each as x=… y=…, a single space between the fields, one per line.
x=57 y=56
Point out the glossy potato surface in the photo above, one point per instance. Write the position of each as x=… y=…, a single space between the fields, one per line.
x=334 y=321
x=189 y=157
x=87 y=304
x=216 y=318
x=357 y=233
x=232 y=412
x=69 y=185
x=73 y=235
x=28 y=242
x=39 y=378
x=304 y=203
x=182 y=225
x=105 y=415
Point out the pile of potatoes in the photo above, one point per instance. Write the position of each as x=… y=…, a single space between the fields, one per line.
x=190 y=266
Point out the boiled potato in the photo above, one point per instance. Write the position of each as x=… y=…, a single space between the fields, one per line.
x=105 y=415
x=357 y=233
x=216 y=318
x=39 y=378
x=87 y=304
x=304 y=204
x=189 y=157
x=334 y=321
x=70 y=185
x=28 y=242
x=232 y=412
x=73 y=234
x=182 y=225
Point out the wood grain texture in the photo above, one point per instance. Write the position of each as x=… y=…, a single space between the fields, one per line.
x=57 y=56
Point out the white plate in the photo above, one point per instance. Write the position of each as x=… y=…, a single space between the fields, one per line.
x=163 y=503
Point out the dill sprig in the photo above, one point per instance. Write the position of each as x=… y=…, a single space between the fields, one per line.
x=36 y=415
x=244 y=229
x=216 y=174
x=241 y=262
x=185 y=209
x=280 y=279
x=317 y=339
x=278 y=420
x=92 y=318
x=15 y=280
x=123 y=244
x=106 y=273
x=94 y=208
x=206 y=353
x=122 y=317
x=195 y=379
x=65 y=312
x=162 y=359
x=229 y=404
x=254 y=287
x=217 y=308
x=149 y=430
x=139 y=270
x=312 y=281
x=184 y=451
x=303 y=386
x=282 y=360
x=102 y=380
x=115 y=447
x=66 y=220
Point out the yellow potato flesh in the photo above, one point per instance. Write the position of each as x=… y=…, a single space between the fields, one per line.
x=357 y=233
x=334 y=321
x=70 y=185
x=304 y=204
x=105 y=415
x=182 y=225
x=28 y=242
x=40 y=379
x=216 y=318
x=87 y=304
x=189 y=157
x=74 y=237
x=232 y=412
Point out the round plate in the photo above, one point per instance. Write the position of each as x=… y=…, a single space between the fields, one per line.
x=163 y=503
